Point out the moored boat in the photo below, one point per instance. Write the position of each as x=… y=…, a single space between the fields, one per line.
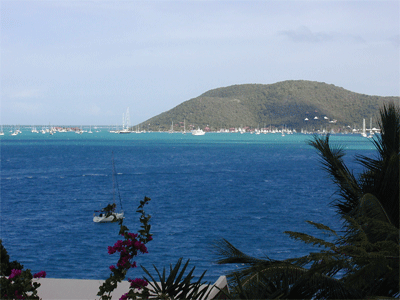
x=103 y=217
x=198 y=131
x=108 y=213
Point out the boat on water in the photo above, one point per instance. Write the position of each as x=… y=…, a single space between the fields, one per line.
x=126 y=123
x=364 y=132
x=108 y=213
x=198 y=131
x=125 y=130
x=104 y=217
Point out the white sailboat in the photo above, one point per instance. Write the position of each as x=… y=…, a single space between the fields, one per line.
x=364 y=133
x=184 y=126
x=1 y=132
x=108 y=214
x=16 y=131
x=126 y=122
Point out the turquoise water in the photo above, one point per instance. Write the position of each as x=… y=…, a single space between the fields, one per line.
x=246 y=188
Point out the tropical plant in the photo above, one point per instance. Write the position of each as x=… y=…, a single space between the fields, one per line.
x=176 y=285
x=362 y=261
x=16 y=283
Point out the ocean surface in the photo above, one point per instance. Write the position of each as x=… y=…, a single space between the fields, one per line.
x=245 y=188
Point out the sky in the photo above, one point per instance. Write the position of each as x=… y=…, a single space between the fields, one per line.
x=85 y=62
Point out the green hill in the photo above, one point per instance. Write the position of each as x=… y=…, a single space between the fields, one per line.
x=286 y=103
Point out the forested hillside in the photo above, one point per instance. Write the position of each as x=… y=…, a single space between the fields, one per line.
x=287 y=103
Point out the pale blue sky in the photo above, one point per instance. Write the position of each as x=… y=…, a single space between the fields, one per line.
x=84 y=62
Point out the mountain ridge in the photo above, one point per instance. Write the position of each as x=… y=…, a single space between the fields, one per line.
x=287 y=103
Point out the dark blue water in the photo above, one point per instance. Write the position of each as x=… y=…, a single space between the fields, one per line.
x=245 y=188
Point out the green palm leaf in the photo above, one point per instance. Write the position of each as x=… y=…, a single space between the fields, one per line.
x=332 y=161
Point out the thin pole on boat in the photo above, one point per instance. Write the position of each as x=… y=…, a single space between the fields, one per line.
x=115 y=182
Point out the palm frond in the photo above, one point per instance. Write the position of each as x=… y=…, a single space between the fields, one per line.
x=229 y=254
x=381 y=177
x=389 y=140
x=371 y=207
x=309 y=239
x=317 y=286
x=324 y=228
x=332 y=161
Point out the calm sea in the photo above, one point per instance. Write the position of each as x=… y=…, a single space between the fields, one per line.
x=245 y=188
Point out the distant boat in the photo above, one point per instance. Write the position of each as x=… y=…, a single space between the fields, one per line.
x=107 y=214
x=125 y=130
x=364 y=133
x=198 y=131
x=125 y=122
x=184 y=126
x=16 y=131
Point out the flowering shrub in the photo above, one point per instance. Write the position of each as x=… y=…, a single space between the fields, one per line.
x=16 y=283
x=131 y=246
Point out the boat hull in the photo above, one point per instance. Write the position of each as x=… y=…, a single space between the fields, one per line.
x=114 y=217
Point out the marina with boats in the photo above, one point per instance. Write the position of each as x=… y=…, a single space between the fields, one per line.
x=10 y=130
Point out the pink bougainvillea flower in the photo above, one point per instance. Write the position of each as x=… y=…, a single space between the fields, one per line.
x=138 y=283
x=132 y=235
x=41 y=274
x=143 y=248
x=124 y=296
x=14 y=273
